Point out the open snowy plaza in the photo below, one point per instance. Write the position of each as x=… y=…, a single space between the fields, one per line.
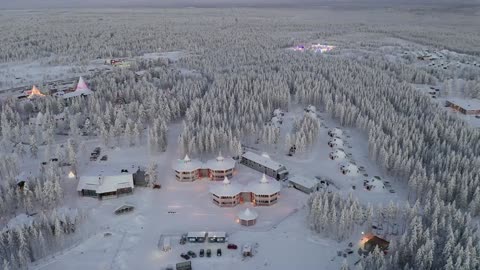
x=267 y=135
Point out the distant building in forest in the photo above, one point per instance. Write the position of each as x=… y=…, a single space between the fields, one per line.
x=468 y=107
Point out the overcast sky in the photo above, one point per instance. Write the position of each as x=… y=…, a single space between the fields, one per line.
x=31 y=4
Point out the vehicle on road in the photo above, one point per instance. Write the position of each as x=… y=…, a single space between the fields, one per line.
x=185 y=256
x=191 y=254
x=219 y=252
x=209 y=253
x=201 y=253
x=232 y=246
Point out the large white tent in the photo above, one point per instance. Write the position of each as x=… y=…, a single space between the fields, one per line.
x=81 y=90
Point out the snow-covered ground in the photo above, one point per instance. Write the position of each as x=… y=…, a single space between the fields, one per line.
x=133 y=238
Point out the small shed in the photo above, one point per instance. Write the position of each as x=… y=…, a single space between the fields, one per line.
x=196 y=237
x=126 y=208
x=218 y=237
x=139 y=178
x=247 y=217
x=304 y=184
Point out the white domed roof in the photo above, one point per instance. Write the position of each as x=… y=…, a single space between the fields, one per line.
x=226 y=188
x=336 y=131
x=337 y=141
x=377 y=185
x=351 y=169
x=220 y=163
x=264 y=186
x=338 y=154
x=187 y=165
x=248 y=214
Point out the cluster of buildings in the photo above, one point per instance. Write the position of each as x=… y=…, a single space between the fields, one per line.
x=314 y=47
x=260 y=193
x=81 y=89
x=188 y=170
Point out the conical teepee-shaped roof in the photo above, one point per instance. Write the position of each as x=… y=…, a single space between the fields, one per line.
x=248 y=214
x=81 y=85
x=226 y=181
x=186 y=159
x=264 y=179
x=35 y=93
x=220 y=157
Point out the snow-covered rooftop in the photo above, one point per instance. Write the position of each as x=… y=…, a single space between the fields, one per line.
x=264 y=186
x=248 y=214
x=105 y=181
x=335 y=132
x=376 y=184
x=226 y=188
x=304 y=181
x=263 y=160
x=337 y=141
x=187 y=165
x=220 y=163
x=338 y=154
x=217 y=234
x=467 y=104
x=196 y=234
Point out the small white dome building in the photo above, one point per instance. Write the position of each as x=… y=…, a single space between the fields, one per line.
x=335 y=132
x=337 y=155
x=349 y=169
x=375 y=185
x=335 y=142
x=187 y=170
x=247 y=217
x=226 y=194
x=220 y=167
x=264 y=192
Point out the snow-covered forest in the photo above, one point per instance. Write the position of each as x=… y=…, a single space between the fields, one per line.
x=234 y=72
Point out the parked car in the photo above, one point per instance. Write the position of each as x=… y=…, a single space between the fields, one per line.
x=191 y=254
x=185 y=256
x=232 y=246
x=209 y=253
x=219 y=252
x=201 y=253
x=157 y=186
x=104 y=158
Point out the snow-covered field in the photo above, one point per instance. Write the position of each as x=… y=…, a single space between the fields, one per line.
x=280 y=228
